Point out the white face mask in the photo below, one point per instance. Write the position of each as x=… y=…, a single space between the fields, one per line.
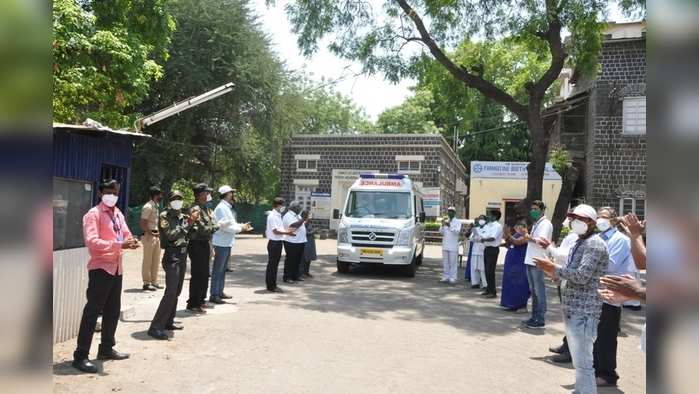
x=603 y=224
x=481 y=222
x=110 y=200
x=176 y=204
x=579 y=227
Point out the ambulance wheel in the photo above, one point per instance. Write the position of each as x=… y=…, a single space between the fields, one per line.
x=343 y=267
x=411 y=268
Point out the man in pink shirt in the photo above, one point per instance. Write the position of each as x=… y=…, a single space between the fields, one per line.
x=106 y=236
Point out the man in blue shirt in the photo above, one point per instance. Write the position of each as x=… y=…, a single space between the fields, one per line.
x=620 y=263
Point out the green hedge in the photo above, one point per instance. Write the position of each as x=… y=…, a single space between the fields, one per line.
x=432 y=226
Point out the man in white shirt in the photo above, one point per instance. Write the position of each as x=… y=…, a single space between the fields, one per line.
x=223 y=241
x=275 y=233
x=491 y=242
x=451 y=233
x=477 y=265
x=294 y=244
x=542 y=229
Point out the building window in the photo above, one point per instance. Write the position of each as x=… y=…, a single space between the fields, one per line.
x=409 y=166
x=633 y=205
x=303 y=196
x=634 y=116
x=307 y=165
x=71 y=201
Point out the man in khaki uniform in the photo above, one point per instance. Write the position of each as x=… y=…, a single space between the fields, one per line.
x=151 y=240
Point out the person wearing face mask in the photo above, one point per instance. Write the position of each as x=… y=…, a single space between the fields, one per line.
x=542 y=230
x=199 y=249
x=451 y=233
x=151 y=240
x=515 y=289
x=175 y=229
x=223 y=241
x=294 y=244
x=491 y=242
x=620 y=263
x=587 y=262
x=106 y=236
x=478 y=279
x=275 y=233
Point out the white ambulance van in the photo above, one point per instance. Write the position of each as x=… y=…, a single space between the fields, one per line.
x=382 y=223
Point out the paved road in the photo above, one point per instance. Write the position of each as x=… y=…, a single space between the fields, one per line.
x=373 y=331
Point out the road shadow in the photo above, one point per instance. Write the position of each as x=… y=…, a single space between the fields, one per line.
x=368 y=292
x=138 y=290
x=549 y=360
x=143 y=336
x=65 y=368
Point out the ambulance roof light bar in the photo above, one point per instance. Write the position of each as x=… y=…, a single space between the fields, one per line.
x=382 y=176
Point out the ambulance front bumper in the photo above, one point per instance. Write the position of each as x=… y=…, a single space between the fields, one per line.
x=395 y=255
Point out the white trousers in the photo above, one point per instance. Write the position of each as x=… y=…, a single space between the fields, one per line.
x=478 y=271
x=450 y=262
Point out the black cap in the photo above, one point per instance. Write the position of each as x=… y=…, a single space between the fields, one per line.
x=201 y=187
x=176 y=194
x=154 y=190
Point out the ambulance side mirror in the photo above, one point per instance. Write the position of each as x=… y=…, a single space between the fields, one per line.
x=422 y=217
x=336 y=213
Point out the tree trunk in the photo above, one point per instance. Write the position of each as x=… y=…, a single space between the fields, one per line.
x=570 y=178
x=537 y=160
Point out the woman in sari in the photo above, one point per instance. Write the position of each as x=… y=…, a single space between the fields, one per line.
x=515 y=288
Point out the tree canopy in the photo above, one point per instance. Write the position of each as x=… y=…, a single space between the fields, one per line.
x=105 y=57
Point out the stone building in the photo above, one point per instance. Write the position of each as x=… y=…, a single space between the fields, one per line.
x=317 y=170
x=601 y=122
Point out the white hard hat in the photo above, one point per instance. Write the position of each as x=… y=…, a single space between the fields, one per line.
x=225 y=189
x=451 y=209
x=585 y=211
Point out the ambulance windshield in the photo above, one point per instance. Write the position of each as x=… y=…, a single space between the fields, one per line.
x=374 y=204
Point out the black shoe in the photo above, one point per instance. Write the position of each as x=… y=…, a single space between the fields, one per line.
x=157 y=286
x=309 y=276
x=485 y=293
x=563 y=358
x=225 y=296
x=289 y=281
x=632 y=307
x=229 y=270
x=475 y=286
x=216 y=300
x=276 y=290
x=491 y=295
x=84 y=365
x=557 y=349
x=299 y=279
x=196 y=310
x=173 y=327
x=112 y=354
x=158 y=334
x=148 y=287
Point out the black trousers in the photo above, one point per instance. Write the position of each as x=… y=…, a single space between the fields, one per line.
x=199 y=255
x=490 y=260
x=103 y=295
x=604 y=351
x=274 y=254
x=294 y=253
x=174 y=264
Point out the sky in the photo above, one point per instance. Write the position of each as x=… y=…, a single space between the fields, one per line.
x=370 y=92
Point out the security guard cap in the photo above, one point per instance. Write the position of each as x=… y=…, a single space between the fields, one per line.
x=201 y=187
x=175 y=194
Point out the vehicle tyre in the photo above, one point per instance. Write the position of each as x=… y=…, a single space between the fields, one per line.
x=343 y=267
x=411 y=268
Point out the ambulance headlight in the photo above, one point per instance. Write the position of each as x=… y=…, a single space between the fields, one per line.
x=405 y=237
x=343 y=235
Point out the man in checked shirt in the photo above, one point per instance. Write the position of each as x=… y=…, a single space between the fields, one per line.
x=582 y=305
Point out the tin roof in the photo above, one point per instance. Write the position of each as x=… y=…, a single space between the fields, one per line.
x=97 y=127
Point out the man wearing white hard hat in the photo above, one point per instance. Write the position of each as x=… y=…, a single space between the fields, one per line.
x=587 y=262
x=451 y=232
x=223 y=241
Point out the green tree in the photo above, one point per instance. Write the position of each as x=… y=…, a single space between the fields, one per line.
x=234 y=139
x=412 y=116
x=106 y=55
x=377 y=38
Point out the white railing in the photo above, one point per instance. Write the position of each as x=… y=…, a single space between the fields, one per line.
x=69 y=286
